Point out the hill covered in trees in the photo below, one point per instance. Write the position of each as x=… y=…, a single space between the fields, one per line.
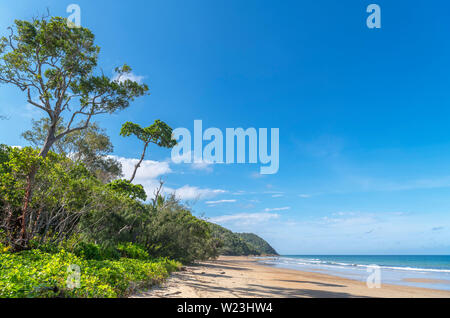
x=257 y=242
x=237 y=244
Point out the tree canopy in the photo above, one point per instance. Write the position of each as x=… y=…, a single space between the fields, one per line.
x=56 y=66
x=90 y=146
x=159 y=133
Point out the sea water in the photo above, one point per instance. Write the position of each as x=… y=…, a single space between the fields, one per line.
x=429 y=271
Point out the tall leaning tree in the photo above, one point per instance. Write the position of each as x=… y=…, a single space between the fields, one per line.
x=158 y=133
x=56 y=68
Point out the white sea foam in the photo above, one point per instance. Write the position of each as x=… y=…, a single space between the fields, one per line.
x=327 y=263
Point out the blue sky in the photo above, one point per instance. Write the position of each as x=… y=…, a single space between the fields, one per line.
x=363 y=113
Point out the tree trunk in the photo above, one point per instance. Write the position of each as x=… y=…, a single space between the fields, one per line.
x=49 y=141
x=27 y=200
x=139 y=163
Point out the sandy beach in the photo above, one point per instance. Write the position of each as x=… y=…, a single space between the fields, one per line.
x=238 y=277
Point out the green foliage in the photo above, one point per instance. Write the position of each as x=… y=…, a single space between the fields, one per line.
x=125 y=187
x=70 y=57
x=91 y=251
x=158 y=133
x=131 y=250
x=58 y=205
x=257 y=243
x=48 y=59
x=128 y=233
x=38 y=274
x=90 y=146
x=171 y=230
x=57 y=64
x=64 y=191
x=240 y=243
x=15 y=165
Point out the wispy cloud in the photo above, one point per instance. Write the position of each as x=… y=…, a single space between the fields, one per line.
x=245 y=218
x=277 y=209
x=275 y=194
x=188 y=192
x=219 y=202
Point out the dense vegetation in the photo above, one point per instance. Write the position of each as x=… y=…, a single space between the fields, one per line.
x=237 y=244
x=257 y=243
x=120 y=242
x=102 y=273
x=69 y=225
x=63 y=205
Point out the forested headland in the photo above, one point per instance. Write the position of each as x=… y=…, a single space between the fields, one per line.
x=238 y=244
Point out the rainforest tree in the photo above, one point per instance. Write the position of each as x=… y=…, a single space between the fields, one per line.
x=55 y=65
x=159 y=133
x=90 y=146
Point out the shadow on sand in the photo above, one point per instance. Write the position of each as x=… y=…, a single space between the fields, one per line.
x=255 y=290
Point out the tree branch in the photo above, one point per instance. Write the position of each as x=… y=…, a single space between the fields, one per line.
x=49 y=112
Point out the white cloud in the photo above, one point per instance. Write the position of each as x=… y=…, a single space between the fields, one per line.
x=277 y=209
x=220 y=201
x=186 y=157
x=188 y=192
x=148 y=173
x=304 y=196
x=128 y=76
x=275 y=194
x=149 y=169
x=206 y=166
x=245 y=218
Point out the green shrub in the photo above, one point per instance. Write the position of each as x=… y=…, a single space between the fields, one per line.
x=131 y=250
x=92 y=251
x=35 y=273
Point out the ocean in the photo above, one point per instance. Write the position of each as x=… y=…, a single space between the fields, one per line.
x=429 y=271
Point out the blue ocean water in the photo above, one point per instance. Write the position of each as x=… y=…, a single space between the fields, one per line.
x=429 y=271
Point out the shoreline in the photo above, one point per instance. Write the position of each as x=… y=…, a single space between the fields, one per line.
x=245 y=277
